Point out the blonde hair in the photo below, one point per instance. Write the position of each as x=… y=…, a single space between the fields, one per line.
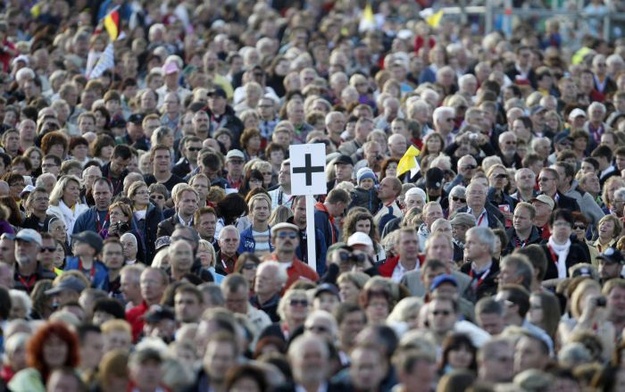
x=57 y=192
x=211 y=249
x=116 y=325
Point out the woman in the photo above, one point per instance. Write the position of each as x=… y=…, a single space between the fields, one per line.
x=165 y=136
x=224 y=137
x=146 y=217
x=350 y=283
x=55 y=143
x=609 y=230
x=120 y=216
x=377 y=300
x=158 y=195
x=561 y=253
x=589 y=316
x=246 y=378
x=254 y=179
x=293 y=309
x=58 y=229
x=42 y=303
x=52 y=347
x=14 y=355
x=359 y=219
x=79 y=149
x=102 y=119
x=206 y=254
x=102 y=148
x=36 y=156
x=266 y=170
x=275 y=153
x=553 y=122
x=251 y=143
x=459 y=353
x=65 y=201
x=580 y=143
x=389 y=168
x=545 y=312
x=59 y=257
x=433 y=144
x=613 y=206
x=113 y=374
x=246 y=265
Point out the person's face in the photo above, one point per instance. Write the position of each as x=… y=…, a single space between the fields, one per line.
x=58 y=230
x=207 y=225
x=474 y=248
x=158 y=199
x=460 y=358
x=117 y=215
x=219 y=357
x=245 y=384
x=152 y=285
x=55 y=352
x=492 y=323
x=119 y=164
x=608 y=269
x=102 y=196
x=366 y=370
x=377 y=310
x=187 y=203
x=112 y=256
x=92 y=349
x=343 y=172
x=547 y=182
x=229 y=241
x=561 y=229
x=181 y=255
x=606 y=229
x=162 y=161
x=408 y=246
x=476 y=196
x=522 y=220
x=433 y=213
x=235 y=166
x=146 y=375
x=187 y=307
x=414 y=201
x=35 y=159
x=441 y=316
x=616 y=302
x=439 y=248
x=260 y=211
x=363 y=226
x=50 y=166
x=7 y=251
x=129 y=286
x=527 y=355
x=286 y=240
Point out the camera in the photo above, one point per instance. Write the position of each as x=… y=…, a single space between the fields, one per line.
x=120 y=227
x=358 y=258
x=601 y=302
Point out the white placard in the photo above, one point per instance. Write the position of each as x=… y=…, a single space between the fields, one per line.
x=308 y=165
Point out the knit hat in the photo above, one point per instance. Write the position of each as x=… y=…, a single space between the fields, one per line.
x=364 y=173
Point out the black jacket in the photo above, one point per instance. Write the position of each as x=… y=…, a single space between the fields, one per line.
x=481 y=286
x=566 y=202
x=167 y=227
x=514 y=242
x=494 y=216
x=576 y=255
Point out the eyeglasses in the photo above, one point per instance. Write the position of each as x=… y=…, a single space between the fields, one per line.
x=579 y=227
x=501 y=176
x=249 y=266
x=318 y=329
x=300 y=302
x=441 y=312
x=461 y=200
x=48 y=249
x=545 y=179
x=470 y=167
x=157 y=197
x=561 y=223
x=287 y=234
x=195 y=149
x=49 y=165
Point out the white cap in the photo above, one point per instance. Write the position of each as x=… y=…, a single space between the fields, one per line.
x=576 y=113
x=359 y=238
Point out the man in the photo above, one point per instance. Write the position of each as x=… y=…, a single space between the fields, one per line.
x=388 y=192
x=614 y=291
x=188 y=304
x=28 y=271
x=309 y=358
x=236 y=294
x=567 y=185
x=227 y=256
x=180 y=259
x=130 y=243
x=256 y=238
x=544 y=206
x=130 y=276
x=516 y=269
x=461 y=222
x=171 y=113
x=11 y=142
x=525 y=180
x=548 y=181
x=466 y=168
x=51 y=164
x=479 y=264
x=7 y=249
x=153 y=282
x=296 y=116
x=371 y=157
x=407 y=245
x=486 y=215
x=495 y=361
x=516 y=303
x=116 y=170
x=335 y=125
x=205 y=222
x=327 y=212
x=523 y=232
x=267 y=110
x=364 y=126
x=603 y=155
x=299 y=220
x=234 y=168
x=201 y=184
x=135 y=135
x=160 y=157
x=508 y=150
x=28 y=131
x=530 y=352
x=368 y=367
x=489 y=315
x=343 y=171
x=97 y=218
x=416 y=370
x=219 y=356
x=89 y=175
x=268 y=284
x=431 y=212
x=191 y=146
x=443 y=118
x=91 y=348
x=610 y=264
x=113 y=259
x=350 y=319
x=281 y=196
x=222 y=115
x=145 y=370
x=285 y=240
x=66 y=291
x=186 y=204
x=442 y=315
x=37 y=205
x=200 y=125
x=521 y=72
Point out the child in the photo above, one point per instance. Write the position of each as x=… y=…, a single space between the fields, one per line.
x=365 y=194
x=87 y=246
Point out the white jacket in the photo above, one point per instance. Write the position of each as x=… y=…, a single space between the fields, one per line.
x=62 y=211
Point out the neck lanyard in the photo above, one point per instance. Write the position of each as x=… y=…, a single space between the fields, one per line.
x=479 y=221
x=100 y=225
x=29 y=282
x=554 y=256
x=481 y=278
x=91 y=272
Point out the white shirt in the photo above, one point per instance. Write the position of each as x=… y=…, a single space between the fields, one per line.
x=399 y=271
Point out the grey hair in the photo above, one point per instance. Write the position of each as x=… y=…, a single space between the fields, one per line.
x=279 y=272
x=485 y=236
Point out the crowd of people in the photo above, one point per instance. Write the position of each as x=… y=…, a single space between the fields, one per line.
x=150 y=239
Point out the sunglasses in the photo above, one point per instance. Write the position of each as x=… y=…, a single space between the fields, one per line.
x=300 y=302
x=194 y=148
x=285 y=234
x=157 y=197
x=501 y=176
x=470 y=167
x=579 y=227
x=51 y=249
x=441 y=312
x=461 y=200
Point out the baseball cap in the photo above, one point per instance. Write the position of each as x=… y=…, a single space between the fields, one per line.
x=464 y=218
x=235 y=154
x=561 y=137
x=441 y=279
x=170 y=68
x=344 y=160
x=27 y=190
x=546 y=200
x=612 y=255
x=284 y=226
x=359 y=238
x=538 y=109
x=91 y=238
x=136 y=118
x=29 y=235
x=576 y=113
x=434 y=178
x=326 y=288
x=118 y=122
x=162 y=242
x=217 y=92
x=72 y=283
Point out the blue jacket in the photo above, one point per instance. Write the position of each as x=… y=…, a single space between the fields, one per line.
x=88 y=221
x=248 y=243
x=101 y=277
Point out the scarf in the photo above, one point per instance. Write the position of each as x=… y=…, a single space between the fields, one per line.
x=562 y=251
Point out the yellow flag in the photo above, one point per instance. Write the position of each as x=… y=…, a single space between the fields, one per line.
x=368 y=20
x=434 y=20
x=408 y=161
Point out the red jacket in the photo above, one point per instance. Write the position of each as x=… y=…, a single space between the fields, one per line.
x=386 y=269
x=297 y=271
x=134 y=316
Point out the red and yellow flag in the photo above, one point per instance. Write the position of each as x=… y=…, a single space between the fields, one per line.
x=112 y=23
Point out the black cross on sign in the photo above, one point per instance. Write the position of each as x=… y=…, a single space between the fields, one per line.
x=308 y=169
